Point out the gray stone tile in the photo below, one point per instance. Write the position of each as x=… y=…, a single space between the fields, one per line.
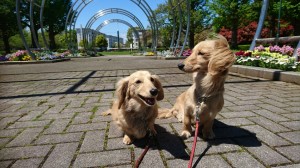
x=236 y=121
x=59 y=138
x=58 y=126
x=24 y=152
x=271 y=108
x=270 y=115
x=214 y=146
x=291 y=136
x=114 y=131
x=291 y=152
x=26 y=137
x=87 y=127
x=267 y=155
x=32 y=163
x=268 y=124
x=151 y=159
x=205 y=162
x=61 y=156
x=294 y=125
x=27 y=124
x=238 y=114
x=292 y=116
x=242 y=159
x=266 y=136
x=5 y=164
x=103 y=158
x=9 y=132
x=93 y=141
x=288 y=166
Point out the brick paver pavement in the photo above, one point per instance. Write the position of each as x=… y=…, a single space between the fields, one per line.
x=50 y=117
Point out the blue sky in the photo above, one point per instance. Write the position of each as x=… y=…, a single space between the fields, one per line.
x=111 y=29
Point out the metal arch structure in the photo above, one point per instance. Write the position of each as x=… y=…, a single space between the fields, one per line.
x=106 y=22
x=80 y=5
x=104 y=12
x=178 y=30
x=142 y=4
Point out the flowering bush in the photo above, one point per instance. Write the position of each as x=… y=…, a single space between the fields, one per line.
x=22 y=55
x=149 y=54
x=243 y=54
x=260 y=48
x=187 y=52
x=270 y=57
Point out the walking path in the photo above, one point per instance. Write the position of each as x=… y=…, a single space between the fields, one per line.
x=50 y=117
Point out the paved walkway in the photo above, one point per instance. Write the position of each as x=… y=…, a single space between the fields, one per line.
x=50 y=117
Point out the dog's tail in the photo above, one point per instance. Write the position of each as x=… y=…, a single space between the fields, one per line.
x=165 y=113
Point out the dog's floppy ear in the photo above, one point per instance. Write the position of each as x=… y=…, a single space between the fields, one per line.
x=221 y=60
x=121 y=91
x=159 y=87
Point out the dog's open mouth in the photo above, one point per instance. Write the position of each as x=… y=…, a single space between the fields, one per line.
x=149 y=101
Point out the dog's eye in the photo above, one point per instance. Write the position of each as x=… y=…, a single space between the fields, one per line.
x=152 y=80
x=138 y=82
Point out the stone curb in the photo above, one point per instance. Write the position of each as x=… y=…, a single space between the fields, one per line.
x=271 y=74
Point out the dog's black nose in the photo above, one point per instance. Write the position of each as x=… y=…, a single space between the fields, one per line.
x=180 y=66
x=153 y=92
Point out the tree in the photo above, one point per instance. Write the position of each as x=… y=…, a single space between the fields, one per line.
x=55 y=16
x=230 y=13
x=8 y=24
x=101 y=41
x=167 y=17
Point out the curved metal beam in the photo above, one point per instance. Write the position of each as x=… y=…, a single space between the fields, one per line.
x=104 y=12
x=21 y=30
x=41 y=23
x=142 y=4
x=188 y=4
x=32 y=25
x=262 y=17
x=106 y=22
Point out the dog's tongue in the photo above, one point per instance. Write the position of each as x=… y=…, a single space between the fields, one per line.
x=150 y=101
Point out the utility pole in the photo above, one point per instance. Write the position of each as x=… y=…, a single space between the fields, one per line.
x=118 y=40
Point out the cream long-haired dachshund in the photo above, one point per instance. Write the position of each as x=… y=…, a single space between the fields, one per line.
x=210 y=62
x=135 y=108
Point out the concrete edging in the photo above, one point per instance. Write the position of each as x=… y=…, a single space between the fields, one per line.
x=271 y=74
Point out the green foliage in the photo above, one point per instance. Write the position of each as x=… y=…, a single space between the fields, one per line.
x=8 y=23
x=101 y=41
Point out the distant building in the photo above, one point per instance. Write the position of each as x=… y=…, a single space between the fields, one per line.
x=92 y=34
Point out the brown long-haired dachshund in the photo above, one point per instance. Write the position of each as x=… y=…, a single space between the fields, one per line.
x=209 y=61
x=135 y=108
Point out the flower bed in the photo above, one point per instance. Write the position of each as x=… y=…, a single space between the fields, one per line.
x=22 y=55
x=274 y=57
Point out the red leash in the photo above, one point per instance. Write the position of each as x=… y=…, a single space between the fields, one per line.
x=194 y=145
x=140 y=159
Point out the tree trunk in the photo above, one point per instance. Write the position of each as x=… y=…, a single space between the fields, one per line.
x=51 y=38
x=6 y=43
x=234 y=39
x=191 y=38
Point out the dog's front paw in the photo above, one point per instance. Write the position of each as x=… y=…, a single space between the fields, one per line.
x=209 y=135
x=127 y=140
x=185 y=134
